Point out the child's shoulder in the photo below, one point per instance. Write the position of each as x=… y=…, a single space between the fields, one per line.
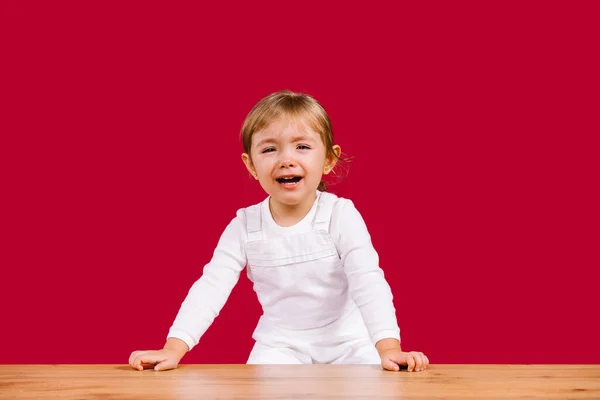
x=253 y=206
x=341 y=209
x=243 y=212
x=345 y=218
x=335 y=201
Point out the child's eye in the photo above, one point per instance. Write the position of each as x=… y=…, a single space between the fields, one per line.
x=303 y=147
x=268 y=150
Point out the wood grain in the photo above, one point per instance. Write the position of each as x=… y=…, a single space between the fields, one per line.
x=300 y=382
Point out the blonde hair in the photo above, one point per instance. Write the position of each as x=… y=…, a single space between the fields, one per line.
x=286 y=103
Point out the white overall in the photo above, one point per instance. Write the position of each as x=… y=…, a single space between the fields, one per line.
x=308 y=316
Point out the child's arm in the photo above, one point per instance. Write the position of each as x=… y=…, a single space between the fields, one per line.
x=368 y=287
x=178 y=346
x=208 y=295
x=387 y=344
x=203 y=302
x=370 y=290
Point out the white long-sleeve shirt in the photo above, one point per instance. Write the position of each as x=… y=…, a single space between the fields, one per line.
x=367 y=285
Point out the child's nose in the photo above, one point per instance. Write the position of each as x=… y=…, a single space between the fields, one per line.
x=287 y=164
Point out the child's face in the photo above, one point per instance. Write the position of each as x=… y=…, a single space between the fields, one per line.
x=288 y=159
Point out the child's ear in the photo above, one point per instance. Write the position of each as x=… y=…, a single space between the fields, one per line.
x=248 y=163
x=332 y=160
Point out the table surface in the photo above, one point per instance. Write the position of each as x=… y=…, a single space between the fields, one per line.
x=223 y=381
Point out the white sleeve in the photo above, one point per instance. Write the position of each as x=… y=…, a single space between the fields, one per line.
x=368 y=287
x=208 y=295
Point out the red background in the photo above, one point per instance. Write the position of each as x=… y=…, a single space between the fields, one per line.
x=474 y=128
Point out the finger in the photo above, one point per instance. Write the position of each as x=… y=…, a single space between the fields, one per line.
x=410 y=361
x=389 y=365
x=424 y=361
x=419 y=362
x=131 y=357
x=403 y=359
x=137 y=362
x=136 y=359
x=147 y=359
x=133 y=360
x=165 y=365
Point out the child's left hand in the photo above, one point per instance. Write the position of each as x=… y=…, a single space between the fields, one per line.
x=392 y=359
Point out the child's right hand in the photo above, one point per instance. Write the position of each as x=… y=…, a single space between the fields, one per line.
x=162 y=360
x=167 y=358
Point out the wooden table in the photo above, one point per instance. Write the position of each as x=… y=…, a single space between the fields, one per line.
x=300 y=382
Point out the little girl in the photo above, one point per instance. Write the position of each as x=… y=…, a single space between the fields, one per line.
x=308 y=253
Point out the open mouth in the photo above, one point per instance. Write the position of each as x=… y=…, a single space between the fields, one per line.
x=289 y=180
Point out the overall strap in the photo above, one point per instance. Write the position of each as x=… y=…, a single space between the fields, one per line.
x=253 y=223
x=324 y=211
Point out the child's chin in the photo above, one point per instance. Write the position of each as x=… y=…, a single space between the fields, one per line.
x=294 y=197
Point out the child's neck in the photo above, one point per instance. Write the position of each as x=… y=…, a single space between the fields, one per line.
x=289 y=215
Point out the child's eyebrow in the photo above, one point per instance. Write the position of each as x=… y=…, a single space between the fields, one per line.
x=264 y=141
x=302 y=138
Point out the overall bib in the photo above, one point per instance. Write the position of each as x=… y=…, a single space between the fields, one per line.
x=308 y=316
